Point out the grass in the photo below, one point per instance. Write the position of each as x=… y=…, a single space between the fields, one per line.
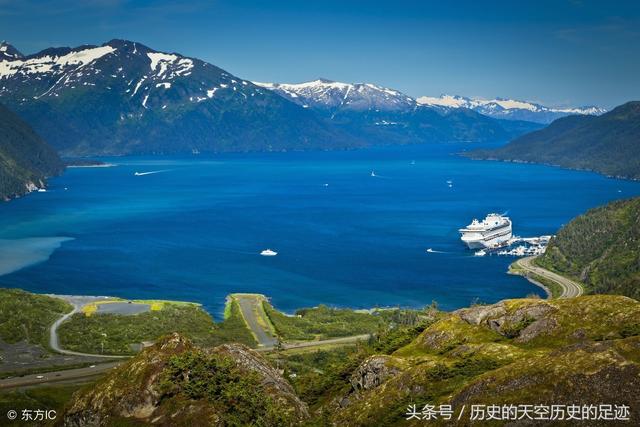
x=600 y=249
x=114 y=333
x=27 y=317
x=553 y=287
x=257 y=301
x=454 y=358
x=154 y=305
x=233 y=328
x=321 y=322
x=45 y=398
x=121 y=334
x=320 y=374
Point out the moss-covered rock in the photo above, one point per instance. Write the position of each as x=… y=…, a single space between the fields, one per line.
x=584 y=350
x=177 y=383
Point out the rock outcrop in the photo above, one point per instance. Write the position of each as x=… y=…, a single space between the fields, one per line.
x=175 y=383
x=579 y=351
x=524 y=323
x=373 y=372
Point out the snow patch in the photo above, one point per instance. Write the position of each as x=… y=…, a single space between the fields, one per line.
x=56 y=64
x=169 y=65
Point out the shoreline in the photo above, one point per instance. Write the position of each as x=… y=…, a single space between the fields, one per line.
x=531 y=280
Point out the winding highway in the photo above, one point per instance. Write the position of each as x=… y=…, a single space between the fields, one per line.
x=570 y=288
x=67 y=376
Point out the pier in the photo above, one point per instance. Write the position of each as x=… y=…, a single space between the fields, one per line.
x=529 y=246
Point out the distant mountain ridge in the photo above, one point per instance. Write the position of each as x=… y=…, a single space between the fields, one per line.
x=331 y=95
x=608 y=144
x=508 y=109
x=25 y=159
x=386 y=114
x=125 y=98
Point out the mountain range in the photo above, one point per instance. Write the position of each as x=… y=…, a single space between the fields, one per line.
x=608 y=144
x=386 y=115
x=125 y=98
x=509 y=109
x=25 y=159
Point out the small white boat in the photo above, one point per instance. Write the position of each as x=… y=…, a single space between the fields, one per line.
x=268 y=252
x=481 y=252
x=373 y=173
x=430 y=250
x=42 y=190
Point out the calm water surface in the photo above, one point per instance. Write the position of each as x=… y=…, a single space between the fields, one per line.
x=194 y=230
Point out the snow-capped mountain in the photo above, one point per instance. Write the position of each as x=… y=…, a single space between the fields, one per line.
x=387 y=115
x=327 y=94
x=123 y=97
x=507 y=108
x=8 y=52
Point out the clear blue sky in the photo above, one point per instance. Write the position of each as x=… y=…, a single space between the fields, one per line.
x=561 y=52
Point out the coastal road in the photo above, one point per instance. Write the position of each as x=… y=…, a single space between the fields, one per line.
x=307 y=344
x=68 y=375
x=570 y=288
x=256 y=318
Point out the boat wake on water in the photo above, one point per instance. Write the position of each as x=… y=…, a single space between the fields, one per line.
x=433 y=251
x=375 y=175
x=150 y=172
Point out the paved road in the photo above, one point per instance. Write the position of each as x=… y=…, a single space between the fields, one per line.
x=570 y=288
x=53 y=332
x=59 y=376
x=250 y=306
x=306 y=344
x=71 y=375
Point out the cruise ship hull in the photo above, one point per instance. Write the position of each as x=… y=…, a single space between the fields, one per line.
x=493 y=232
x=492 y=242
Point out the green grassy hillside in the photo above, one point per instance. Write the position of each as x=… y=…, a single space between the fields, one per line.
x=121 y=334
x=27 y=317
x=581 y=351
x=175 y=383
x=584 y=350
x=600 y=248
x=25 y=159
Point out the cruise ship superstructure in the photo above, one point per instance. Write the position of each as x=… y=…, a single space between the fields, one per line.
x=494 y=231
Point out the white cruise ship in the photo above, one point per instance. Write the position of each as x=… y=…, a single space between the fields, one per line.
x=493 y=231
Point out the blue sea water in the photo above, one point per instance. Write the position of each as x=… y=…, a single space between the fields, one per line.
x=194 y=230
